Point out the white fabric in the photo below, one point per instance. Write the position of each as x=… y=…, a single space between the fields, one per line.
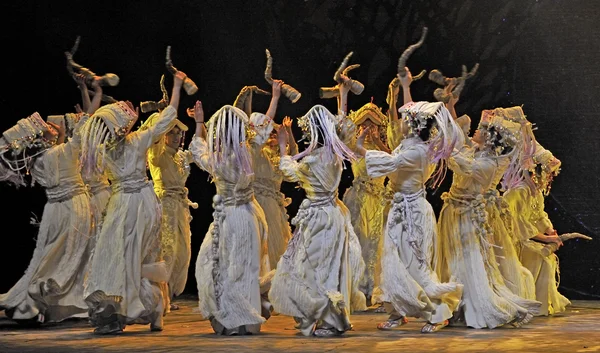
x=466 y=249
x=233 y=255
x=128 y=244
x=322 y=264
x=53 y=282
x=408 y=281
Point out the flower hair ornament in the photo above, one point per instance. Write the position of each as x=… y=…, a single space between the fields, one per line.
x=20 y=144
x=105 y=128
x=544 y=169
x=320 y=122
x=445 y=133
x=520 y=138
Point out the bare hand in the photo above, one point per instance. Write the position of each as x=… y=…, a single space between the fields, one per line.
x=407 y=79
x=554 y=239
x=395 y=87
x=197 y=112
x=287 y=123
x=362 y=135
x=277 y=88
x=345 y=85
x=80 y=79
x=179 y=77
x=78 y=108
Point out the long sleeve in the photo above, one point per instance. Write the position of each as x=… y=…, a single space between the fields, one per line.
x=152 y=133
x=155 y=152
x=380 y=163
x=539 y=217
x=520 y=211
x=290 y=169
x=199 y=152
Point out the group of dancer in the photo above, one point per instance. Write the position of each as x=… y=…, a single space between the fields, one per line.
x=114 y=246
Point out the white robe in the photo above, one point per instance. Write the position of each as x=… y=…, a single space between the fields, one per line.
x=53 y=282
x=127 y=253
x=465 y=243
x=233 y=255
x=409 y=282
x=322 y=265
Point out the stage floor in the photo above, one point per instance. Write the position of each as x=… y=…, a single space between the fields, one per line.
x=577 y=330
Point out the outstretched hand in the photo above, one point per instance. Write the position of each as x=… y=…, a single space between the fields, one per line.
x=197 y=112
x=287 y=123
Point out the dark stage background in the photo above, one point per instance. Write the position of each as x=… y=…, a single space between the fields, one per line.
x=539 y=54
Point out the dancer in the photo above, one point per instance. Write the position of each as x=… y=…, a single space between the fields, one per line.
x=516 y=277
x=465 y=248
x=408 y=280
x=265 y=164
x=51 y=290
x=122 y=285
x=536 y=238
x=364 y=199
x=97 y=183
x=169 y=166
x=233 y=255
x=317 y=278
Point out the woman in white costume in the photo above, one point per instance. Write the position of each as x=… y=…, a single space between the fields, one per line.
x=233 y=256
x=97 y=183
x=51 y=289
x=516 y=277
x=465 y=239
x=122 y=285
x=317 y=278
x=409 y=282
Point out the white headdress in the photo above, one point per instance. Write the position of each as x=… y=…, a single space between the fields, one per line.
x=445 y=134
x=107 y=125
x=20 y=144
x=227 y=134
x=319 y=121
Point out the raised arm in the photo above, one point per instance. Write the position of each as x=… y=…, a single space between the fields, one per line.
x=197 y=113
x=393 y=90
x=97 y=100
x=166 y=117
x=276 y=86
x=344 y=88
x=85 y=94
x=405 y=82
x=451 y=102
x=292 y=145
